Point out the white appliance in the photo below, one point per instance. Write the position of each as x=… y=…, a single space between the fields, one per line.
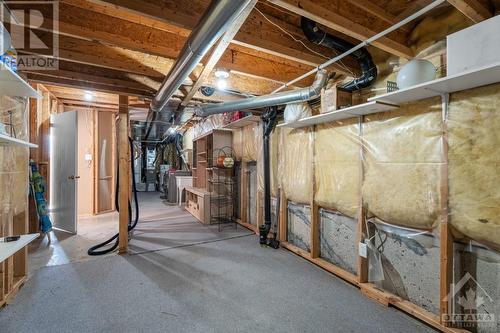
x=474 y=47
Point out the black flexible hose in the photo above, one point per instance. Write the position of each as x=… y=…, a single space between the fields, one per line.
x=132 y=224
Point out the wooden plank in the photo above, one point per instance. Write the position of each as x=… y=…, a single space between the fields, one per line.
x=124 y=179
x=377 y=11
x=283 y=232
x=446 y=237
x=362 y=231
x=244 y=188
x=257 y=34
x=218 y=50
x=333 y=20
x=473 y=9
x=315 y=232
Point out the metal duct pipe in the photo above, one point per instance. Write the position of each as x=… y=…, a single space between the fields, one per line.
x=214 y=22
x=304 y=94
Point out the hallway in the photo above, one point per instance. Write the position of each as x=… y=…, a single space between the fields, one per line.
x=182 y=276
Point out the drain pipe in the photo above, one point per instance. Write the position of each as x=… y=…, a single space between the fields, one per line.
x=269 y=119
x=214 y=22
x=299 y=95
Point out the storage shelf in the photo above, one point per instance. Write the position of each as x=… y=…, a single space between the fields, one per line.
x=10 y=248
x=7 y=140
x=12 y=84
x=245 y=121
x=350 y=112
x=462 y=81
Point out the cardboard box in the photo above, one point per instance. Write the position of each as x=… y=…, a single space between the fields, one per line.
x=335 y=98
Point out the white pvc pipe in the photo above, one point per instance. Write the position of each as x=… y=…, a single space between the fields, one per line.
x=364 y=43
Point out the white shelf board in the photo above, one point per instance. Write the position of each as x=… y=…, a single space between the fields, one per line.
x=12 y=84
x=462 y=81
x=245 y=121
x=7 y=140
x=10 y=248
x=350 y=112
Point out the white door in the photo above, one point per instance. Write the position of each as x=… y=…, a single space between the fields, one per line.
x=63 y=171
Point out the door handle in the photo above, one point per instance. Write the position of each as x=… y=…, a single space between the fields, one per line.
x=73 y=177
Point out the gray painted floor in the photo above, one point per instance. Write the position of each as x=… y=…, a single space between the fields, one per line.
x=229 y=285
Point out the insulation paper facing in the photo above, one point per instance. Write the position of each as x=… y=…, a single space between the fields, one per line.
x=295 y=167
x=474 y=162
x=403 y=162
x=337 y=166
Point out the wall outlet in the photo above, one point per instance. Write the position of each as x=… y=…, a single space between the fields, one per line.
x=363 y=250
x=88 y=157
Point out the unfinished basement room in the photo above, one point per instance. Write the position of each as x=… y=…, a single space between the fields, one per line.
x=250 y=166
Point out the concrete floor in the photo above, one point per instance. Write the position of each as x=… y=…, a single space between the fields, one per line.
x=191 y=279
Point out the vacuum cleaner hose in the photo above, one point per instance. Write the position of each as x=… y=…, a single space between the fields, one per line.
x=93 y=251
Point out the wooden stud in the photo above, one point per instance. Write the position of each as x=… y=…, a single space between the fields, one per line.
x=362 y=231
x=124 y=165
x=283 y=226
x=315 y=227
x=446 y=238
x=244 y=193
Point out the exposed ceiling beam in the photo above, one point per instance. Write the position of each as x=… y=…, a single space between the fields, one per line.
x=331 y=19
x=217 y=52
x=49 y=79
x=256 y=34
x=377 y=11
x=473 y=9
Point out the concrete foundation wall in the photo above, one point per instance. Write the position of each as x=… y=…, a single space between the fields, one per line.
x=338 y=243
x=299 y=225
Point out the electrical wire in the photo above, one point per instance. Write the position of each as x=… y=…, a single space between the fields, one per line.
x=93 y=251
x=301 y=42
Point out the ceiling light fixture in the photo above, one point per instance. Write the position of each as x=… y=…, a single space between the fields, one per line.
x=221 y=75
x=88 y=96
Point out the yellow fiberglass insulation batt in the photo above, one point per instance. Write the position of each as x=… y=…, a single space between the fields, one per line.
x=295 y=167
x=474 y=164
x=251 y=142
x=403 y=162
x=337 y=166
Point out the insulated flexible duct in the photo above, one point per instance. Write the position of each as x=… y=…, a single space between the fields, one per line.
x=368 y=69
x=299 y=95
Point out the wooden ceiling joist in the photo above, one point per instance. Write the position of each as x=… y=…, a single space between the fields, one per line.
x=334 y=21
x=256 y=33
x=473 y=9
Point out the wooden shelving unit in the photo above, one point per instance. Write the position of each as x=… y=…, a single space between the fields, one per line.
x=204 y=156
x=14 y=255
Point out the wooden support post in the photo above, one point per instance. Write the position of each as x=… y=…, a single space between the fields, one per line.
x=446 y=238
x=362 y=231
x=315 y=232
x=124 y=165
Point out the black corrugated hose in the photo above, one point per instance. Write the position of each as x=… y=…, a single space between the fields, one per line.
x=132 y=223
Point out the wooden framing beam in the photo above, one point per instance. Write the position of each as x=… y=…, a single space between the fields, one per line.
x=256 y=36
x=473 y=9
x=124 y=167
x=218 y=50
x=376 y=11
x=333 y=20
